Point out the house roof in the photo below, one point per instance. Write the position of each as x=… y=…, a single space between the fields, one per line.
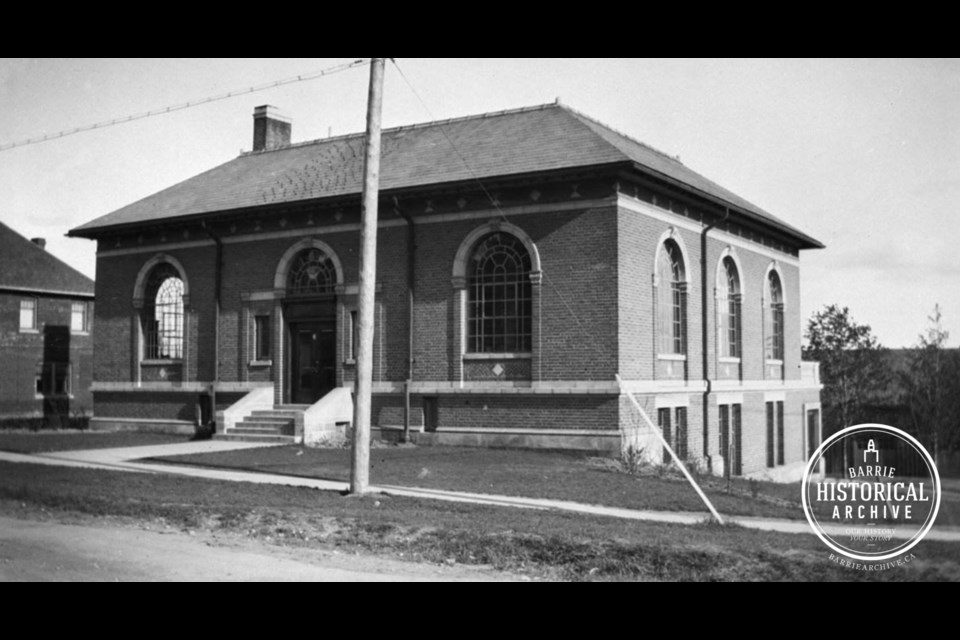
x=25 y=266
x=509 y=143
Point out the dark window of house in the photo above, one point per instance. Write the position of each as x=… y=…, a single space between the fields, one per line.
x=163 y=314
x=774 y=317
x=736 y=428
x=353 y=336
x=728 y=309
x=499 y=296
x=312 y=272
x=730 y=437
x=771 y=431
x=671 y=300
x=262 y=337
x=681 y=433
x=53 y=378
x=780 y=456
x=813 y=431
x=663 y=420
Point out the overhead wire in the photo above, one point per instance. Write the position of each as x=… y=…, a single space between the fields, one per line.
x=304 y=77
x=493 y=201
x=589 y=334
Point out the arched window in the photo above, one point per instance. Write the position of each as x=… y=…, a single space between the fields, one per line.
x=728 y=309
x=671 y=300
x=774 y=346
x=163 y=314
x=499 y=295
x=311 y=272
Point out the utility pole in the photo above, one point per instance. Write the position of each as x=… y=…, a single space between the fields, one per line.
x=360 y=463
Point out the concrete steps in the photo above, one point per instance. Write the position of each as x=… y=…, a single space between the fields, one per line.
x=266 y=425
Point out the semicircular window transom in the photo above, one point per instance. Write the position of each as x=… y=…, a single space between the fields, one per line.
x=312 y=272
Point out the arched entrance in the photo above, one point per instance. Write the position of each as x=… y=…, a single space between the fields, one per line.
x=310 y=318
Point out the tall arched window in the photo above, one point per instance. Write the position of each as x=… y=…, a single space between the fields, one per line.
x=728 y=309
x=499 y=296
x=671 y=300
x=311 y=272
x=163 y=314
x=774 y=346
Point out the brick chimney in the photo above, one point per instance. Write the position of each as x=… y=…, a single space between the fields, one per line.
x=271 y=128
x=40 y=242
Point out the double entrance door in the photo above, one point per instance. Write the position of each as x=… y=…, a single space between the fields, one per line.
x=312 y=331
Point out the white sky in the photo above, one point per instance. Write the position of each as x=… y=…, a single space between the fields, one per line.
x=863 y=155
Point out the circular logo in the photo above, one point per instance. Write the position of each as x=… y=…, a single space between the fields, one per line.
x=871 y=492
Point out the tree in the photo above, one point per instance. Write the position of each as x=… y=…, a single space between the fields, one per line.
x=932 y=389
x=852 y=366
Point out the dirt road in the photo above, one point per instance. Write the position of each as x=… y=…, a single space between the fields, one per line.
x=46 y=550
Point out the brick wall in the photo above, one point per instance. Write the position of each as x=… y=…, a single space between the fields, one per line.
x=25 y=353
x=508 y=411
x=638 y=239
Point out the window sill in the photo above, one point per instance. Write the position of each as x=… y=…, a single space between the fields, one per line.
x=498 y=356
x=349 y=362
x=729 y=360
x=160 y=363
x=679 y=357
x=261 y=363
x=775 y=362
x=79 y=333
x=25 y=330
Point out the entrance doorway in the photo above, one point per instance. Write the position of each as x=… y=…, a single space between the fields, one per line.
x=313 y=345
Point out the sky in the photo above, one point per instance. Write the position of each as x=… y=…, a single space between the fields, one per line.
x=863 y=155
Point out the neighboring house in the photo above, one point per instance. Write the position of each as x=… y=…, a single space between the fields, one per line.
x=564 y=254
x=46 y=349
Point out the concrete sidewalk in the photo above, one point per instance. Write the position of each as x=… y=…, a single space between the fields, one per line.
x=130 y=459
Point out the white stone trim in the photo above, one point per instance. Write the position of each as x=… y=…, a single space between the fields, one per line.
x=774 y=266
x=176 y=387
x=672 y=401
x=35 y=291
x=494 y=226
x=478 y=214
x=645 y=387
x=729 y=398
x=141 y=282
x=730 y=252
x=498 y=356
x=613 y=433
x=167 y=246
x=671 y=234
x=774 y=396
x=142 y=420
x=639 y=206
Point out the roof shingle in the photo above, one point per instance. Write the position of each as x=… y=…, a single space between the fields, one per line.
x=25 y=266
x=510 y=143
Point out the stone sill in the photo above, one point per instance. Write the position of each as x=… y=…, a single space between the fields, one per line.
x=498 y=356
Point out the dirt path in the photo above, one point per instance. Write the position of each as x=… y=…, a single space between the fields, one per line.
x=46 y=550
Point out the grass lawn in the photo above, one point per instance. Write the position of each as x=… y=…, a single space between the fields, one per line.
x=43 y=441
x=557 y=475
x=542 y=544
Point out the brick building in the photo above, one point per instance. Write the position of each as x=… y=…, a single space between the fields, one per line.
x=46 y=311
x=509 y=294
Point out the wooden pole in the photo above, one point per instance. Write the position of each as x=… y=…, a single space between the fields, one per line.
x=360 y=463
x=666 y=445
